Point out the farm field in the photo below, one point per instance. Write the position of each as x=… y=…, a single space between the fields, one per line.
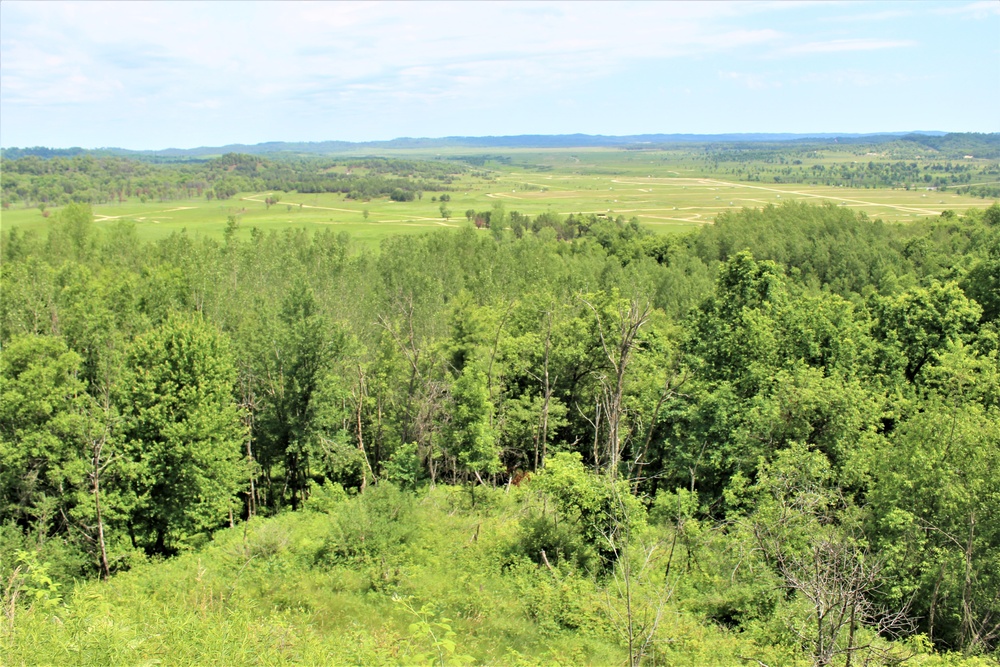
x=670 y=191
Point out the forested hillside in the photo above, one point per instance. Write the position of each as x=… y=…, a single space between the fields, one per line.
x=775 y=440
x=51 y=181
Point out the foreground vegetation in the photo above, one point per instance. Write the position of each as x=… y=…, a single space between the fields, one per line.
x=441 y=577
x=561 y=439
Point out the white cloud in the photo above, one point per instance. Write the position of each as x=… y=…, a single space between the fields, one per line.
x=188 y=51
x=750 y=81
x=380 y=69
x=204 y=104
x=841 y=45
x=858 y=78
x=976 y=10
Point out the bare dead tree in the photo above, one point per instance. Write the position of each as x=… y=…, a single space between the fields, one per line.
x=406 y=341
x=97 y=440
x=980 y=625
x=431 y=403
x=595 y=423
x=493 y=353
x=249 y=407
x=840 y=579
x=359 y=401
x=424 y=395
x=623 y=334
x=8 y=597
x=541 y=438
x=641 y=601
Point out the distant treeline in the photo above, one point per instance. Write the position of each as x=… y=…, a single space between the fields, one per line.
x=859 y=173
x=936 y=146
x=33 y=180
x=945 y=145
x=985 y=190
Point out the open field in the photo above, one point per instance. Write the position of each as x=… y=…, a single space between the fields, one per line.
x=668 y=190
x=155 y=220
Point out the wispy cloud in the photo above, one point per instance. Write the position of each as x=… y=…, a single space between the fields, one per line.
x=978 y=10
x=535 y=45
x=750 y=81
x=871 y=17
x=841 y=45
x=376 y=70
x=857 y=78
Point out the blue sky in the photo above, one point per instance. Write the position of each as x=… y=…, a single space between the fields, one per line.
x=149 y=75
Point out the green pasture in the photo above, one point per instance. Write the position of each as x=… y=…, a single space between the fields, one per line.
x=668 y=190
x=668 y=202
x=155 y=220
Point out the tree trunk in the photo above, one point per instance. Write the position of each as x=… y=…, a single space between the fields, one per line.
x=968 y=631
x=547 y=397
x=105 y=568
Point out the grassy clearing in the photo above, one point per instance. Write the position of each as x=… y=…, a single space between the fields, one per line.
x=394 y=579
x=282 y=590
x=668 y=190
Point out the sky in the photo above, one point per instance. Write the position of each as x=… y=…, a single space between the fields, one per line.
x=153 y=75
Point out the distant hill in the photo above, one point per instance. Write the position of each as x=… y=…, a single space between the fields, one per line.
x=948 y=144
x=958 y=145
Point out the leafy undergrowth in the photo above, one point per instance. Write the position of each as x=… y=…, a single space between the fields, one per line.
x=388 y=577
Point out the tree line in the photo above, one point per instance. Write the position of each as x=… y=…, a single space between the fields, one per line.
x=32 y=180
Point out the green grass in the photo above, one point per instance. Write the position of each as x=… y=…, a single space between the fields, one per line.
x=156 y=220
x=348 y=583
x=668 y=190
x=269 y=592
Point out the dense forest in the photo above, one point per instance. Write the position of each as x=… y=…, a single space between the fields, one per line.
x=39 y=181
x=775 y=440
x=962 y=177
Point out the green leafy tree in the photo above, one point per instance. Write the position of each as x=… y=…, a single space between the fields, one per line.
x=935 y=499
x=734 y=334
x=915 y=325
x=470 y=434
x=773 y=365
x=42 y=430
x=71 y=234
x=182 y=433
x=982 y=283
x=498 y=215
x=291 y=354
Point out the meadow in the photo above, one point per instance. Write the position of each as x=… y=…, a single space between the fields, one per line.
x=667 y=190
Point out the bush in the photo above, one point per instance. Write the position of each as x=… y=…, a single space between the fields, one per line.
x=544 y=538
x=404 y=468
x=605 y=512
x=324 y=498
x=372 y=525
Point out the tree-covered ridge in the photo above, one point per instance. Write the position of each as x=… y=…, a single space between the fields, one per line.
x=33 y=180
x=947 y=144
x=798 y=404
x=866 y=173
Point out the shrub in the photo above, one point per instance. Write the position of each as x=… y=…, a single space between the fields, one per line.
x=369 y=526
